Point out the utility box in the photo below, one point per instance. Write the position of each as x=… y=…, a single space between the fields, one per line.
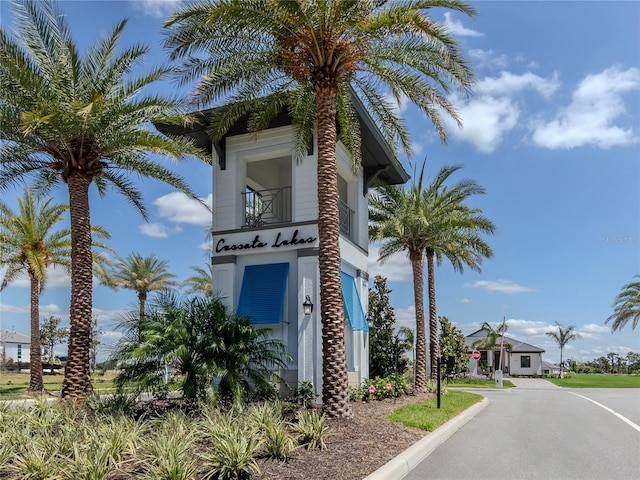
x=498 y=377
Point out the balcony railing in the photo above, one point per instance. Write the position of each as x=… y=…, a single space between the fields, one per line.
x=346 y=218
x=264 y=207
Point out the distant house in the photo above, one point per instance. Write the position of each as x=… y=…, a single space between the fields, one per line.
x=14 y=345
x=549 y=368
x=520 y=359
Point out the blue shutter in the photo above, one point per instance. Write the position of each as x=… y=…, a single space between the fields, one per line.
x=262 y=292
x=352 y=303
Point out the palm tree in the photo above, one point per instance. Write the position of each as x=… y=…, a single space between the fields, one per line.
x=32 y=245
x=142 y=275
x=493 y=338
x=430 y=222
x=78 y=120
x=563 y=336
x=309 y=59
x=201 y=282
x=626 y=307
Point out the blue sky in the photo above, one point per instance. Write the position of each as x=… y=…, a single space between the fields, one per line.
x=552 y=131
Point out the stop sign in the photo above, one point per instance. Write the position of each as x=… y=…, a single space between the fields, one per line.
x=475 y=355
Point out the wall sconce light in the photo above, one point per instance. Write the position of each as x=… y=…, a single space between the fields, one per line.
x=370 y=321
x=307 y=306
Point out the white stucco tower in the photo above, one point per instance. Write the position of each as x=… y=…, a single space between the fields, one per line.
x=265 y=235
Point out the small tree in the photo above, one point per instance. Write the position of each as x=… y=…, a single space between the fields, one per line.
x=51 y=335
x=452 y=345
x=386 y=348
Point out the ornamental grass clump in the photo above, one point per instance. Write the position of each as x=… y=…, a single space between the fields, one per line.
x=231 y=450
x=311 y=429
x=168 y=454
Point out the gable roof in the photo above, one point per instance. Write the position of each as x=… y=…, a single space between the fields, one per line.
x=517 y=345
x=7 y=336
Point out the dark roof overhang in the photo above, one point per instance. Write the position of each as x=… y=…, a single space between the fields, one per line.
x=377 y=161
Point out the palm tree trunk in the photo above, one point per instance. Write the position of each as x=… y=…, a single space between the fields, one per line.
x=335 y=383
x=142 y=299
x=77 y=377
x=434 y=341
x=36 y=384
x=420 y=380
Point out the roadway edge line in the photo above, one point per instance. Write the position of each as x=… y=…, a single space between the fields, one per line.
x=621 y=417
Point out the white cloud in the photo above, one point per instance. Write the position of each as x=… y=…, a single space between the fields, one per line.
x=396 y=268
x=488 y=58
x=405 y=317
x=456 y=27
x=594 y=328
x=500 y=285
x=156 y=230
x=178 y=208
x=508 y=83
x=486 y=120
x=518 y=328
x=466 y=300
x=589 y=118
x=57 y=277
x=156 y=8
x=5 y=307
x=494 y=110
x=111 y=335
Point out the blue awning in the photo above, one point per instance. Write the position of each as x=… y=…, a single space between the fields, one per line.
x=262 y=292
x=352 y=303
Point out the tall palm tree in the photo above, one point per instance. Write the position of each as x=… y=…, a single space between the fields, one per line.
x=626 y=307
x=563 y=336
x=79 y=120
x=32 y=245
x=201 y=282
x=433 y=222
x=309 y=58
x=142 y=275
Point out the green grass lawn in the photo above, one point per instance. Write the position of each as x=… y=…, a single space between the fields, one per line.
x=478 y=383
x=597 y=380
x=426 y=415
x=13 y=385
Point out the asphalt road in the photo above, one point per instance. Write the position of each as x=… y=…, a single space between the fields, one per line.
x=545 y=433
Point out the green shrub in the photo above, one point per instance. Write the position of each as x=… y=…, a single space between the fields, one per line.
x=378 y=388
x=303 y=394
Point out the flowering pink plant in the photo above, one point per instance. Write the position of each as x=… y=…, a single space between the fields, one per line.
x=388 y=386
x=372 y=389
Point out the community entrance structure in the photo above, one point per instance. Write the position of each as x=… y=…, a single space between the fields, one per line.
x=265 y=235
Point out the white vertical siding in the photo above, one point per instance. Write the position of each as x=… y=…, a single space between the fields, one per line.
x=305 y=190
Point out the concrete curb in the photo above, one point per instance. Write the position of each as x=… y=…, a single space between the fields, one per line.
x=401 y=465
